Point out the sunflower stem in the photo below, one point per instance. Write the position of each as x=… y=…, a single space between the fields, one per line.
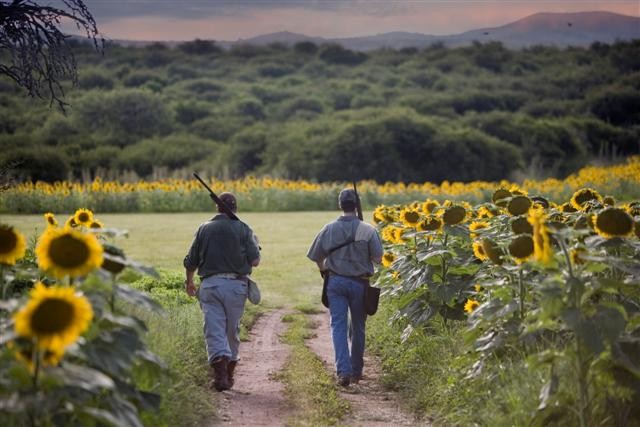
x=36 y=366
x=4 y=283
x=522 y=293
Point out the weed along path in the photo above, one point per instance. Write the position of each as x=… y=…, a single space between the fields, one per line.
x=257 y=398
x=371 y=404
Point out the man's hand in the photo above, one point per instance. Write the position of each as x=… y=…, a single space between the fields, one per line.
x=190 y=288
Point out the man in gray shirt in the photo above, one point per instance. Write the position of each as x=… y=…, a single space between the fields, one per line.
x=346 y=250
x=223 y=252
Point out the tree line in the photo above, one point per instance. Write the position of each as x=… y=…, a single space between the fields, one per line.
x=323 y=112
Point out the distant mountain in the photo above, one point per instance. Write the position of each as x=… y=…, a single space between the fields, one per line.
x=559 y=29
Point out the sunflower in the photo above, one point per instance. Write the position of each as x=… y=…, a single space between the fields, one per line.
x=492 y=251
x=541 y=201
x=55 y=316
x=50 y=219
x=576 y=256
x=392 y=234
x=114 y=259
x=12 y=245
x=70 y=222
x=633 y=208
x=584 y=195
x=519 y=205
x=454 y=214
x=429 y=206
x=608 y=201
x=388 y=258
x=378 y=214
x=471 y=305
x=410 y=217
x=83 y=217
x=521 y=247
x=478 y=288
x=430 y=223
x=487 y=211
x=478 y=251
x=500 y=197
x=475 y=226
x=67 y=252
x=96 y=225
x=613 y=222
x=541 y=245
x=520 y=225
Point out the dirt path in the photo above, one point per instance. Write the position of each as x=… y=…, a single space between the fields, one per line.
x=257 y=398
x=371 y=404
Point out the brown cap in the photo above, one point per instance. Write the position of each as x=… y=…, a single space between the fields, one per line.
x=230 y=200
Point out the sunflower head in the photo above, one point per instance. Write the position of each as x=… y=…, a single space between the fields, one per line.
x=50 y=219
x=519 y=205
x=388 y=258
x=410 y=217
x=541 y=201
x=633 y=208
x=521 y=247
x=83 y=217
x=492 y=251
x=429 y=206
x=608 y=201
x=613 y=222
x=112 y=264
x=454 y=214
x=576 y=256
x=96 y=225
x=475 y=226
x=378 y=214
x=478 y=250
x=24 y=352
x=520 y=225
x=501 y=196
x=487 y=211
x=55 y=316
x=581 y=197
x=430 y=223
x=12 y=245
x=67 y=252
x=70 y=222
x=471 y=305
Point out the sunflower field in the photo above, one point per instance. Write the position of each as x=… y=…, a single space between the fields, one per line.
x=68 y=345
x=271 y=194
x=557 y=284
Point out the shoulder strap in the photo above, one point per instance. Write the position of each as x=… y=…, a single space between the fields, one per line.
x=351 y=239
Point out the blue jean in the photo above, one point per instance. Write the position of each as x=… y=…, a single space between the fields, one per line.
x=347 y=295
x=222 y=302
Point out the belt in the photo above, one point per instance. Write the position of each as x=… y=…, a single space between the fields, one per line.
x=362 y=277
x=227 y=276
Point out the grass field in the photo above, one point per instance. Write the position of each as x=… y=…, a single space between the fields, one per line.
x=285 y=276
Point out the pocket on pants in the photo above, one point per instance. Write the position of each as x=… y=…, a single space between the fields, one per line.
x=241 y=289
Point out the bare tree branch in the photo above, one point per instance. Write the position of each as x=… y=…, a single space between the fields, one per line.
x=35 y=53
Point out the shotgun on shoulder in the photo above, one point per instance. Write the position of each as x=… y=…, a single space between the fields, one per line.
x=358 y=205
x=222 y=205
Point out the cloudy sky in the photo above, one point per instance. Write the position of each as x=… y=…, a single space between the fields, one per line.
x=232 y=20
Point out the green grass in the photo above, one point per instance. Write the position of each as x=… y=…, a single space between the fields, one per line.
x=285 y=276
x=310 y=389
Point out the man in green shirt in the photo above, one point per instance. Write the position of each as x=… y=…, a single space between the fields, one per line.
x=223 y=252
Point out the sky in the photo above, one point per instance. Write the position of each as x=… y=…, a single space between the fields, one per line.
x=241 y=19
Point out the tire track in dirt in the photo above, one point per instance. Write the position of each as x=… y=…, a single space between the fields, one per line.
x=371 y=404
x=257 y=398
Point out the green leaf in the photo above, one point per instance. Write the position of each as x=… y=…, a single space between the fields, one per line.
x=101 y=415
x=137 y=298
x=82 y=377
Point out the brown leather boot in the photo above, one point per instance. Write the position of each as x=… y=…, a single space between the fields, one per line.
x=220 y=373
x=231 y=367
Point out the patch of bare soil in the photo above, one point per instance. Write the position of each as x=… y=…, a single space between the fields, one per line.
x=371 y=404
x=257 y=398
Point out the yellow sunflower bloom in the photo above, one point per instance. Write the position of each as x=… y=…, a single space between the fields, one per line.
x=48 y=356
x=475 y=226
x=67 y=252
x=54 y=316
x=12 y=245
x=520 y=225
x=410 y=217
x=613 y=222
x=96 y=225
x=388 y=258
x=519 y=205
x=471 y=305
x=478 y=251
x=584 y=195
x=50 y=219
x=501 y=196
x=83 y=217
x=429 y=206
x=430 y=224
x=454 y=214
x=70 y=223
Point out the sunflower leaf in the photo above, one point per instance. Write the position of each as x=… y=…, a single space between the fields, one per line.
x=82 y=377
x=137 y=298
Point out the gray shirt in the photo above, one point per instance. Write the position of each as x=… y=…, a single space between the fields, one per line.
x=355 y=259
x=222 y=245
